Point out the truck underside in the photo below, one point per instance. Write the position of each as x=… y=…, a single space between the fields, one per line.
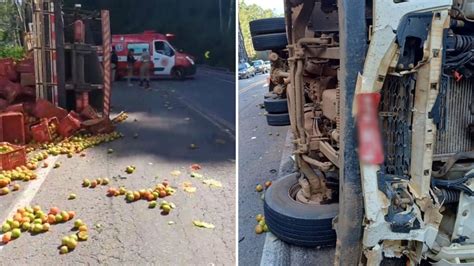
x=413 y=106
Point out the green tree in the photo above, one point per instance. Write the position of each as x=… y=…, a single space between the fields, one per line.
x=248 y=13
x=9 y=23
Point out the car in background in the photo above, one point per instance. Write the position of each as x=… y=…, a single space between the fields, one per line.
x=246 y=71
x=268 y=64
x=260 y=66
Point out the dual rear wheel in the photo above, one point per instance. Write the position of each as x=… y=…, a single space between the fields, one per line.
x=277 y=110
x=268 y=34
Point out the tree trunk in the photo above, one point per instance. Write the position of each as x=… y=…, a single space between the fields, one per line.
x=220 y=16
x=231 y=15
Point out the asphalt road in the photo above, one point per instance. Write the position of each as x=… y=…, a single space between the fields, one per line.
x=216 y=99
x=260 y=152
x=167 y=119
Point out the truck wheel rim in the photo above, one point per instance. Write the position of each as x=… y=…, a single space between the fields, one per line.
x=295 y=193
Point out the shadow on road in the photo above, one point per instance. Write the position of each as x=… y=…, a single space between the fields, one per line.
x=166 y=127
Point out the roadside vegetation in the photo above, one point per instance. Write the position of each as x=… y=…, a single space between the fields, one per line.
x=248 y=13
x=12 y=51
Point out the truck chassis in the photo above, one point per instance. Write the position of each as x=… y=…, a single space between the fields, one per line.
x=380 y=101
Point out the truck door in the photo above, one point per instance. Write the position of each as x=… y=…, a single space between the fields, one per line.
x=163 y=58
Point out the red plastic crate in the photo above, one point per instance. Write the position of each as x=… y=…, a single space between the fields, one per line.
x=12 y=127
x=25 y=66
x=89 y=113
x=28 y=134
x=12 y=159
x=76 y=116
x=99 y=126
x=7 y=69
x=45 y=109
x=3 y=104
x=69 y=125
x=29 y=122
x=9 y=90
x=19 y=108
x=41 y=132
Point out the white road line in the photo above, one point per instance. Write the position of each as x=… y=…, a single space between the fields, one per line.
x=244 y=90
x=25 y=198
x=214 y=74
x=228 y=81
x=216 y=121
x=217 y=72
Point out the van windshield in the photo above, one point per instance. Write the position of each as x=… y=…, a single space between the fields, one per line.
x=163 y=48
x=257 y=63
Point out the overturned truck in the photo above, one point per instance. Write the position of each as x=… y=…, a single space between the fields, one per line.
x=380 y=98
x=66 y=45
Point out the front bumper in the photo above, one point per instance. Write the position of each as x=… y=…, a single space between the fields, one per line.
x=453 y=254
x=190 y=71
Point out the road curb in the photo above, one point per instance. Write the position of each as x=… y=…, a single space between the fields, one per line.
x=275 y=251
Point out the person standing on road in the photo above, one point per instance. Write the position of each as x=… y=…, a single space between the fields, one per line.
x=145 y=69
x=130 y=63
x=113 y=63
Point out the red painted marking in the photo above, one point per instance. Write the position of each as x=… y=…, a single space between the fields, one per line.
x=369 y=135
x=457 y=76
x=107 y=51
x=54 y=88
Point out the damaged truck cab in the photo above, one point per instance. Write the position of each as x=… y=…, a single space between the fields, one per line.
x=380 y=98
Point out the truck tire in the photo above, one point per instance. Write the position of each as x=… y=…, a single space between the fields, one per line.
x=393 y=262
x=273 y=41
x=276 y=105
x=178 y=74
x=267 y=25
x=278 y=119
x=296 y=2
x=307 y=225
x=268 y=95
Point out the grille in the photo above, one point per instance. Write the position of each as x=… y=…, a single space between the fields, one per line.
x=454 y=136
x=395 y=120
